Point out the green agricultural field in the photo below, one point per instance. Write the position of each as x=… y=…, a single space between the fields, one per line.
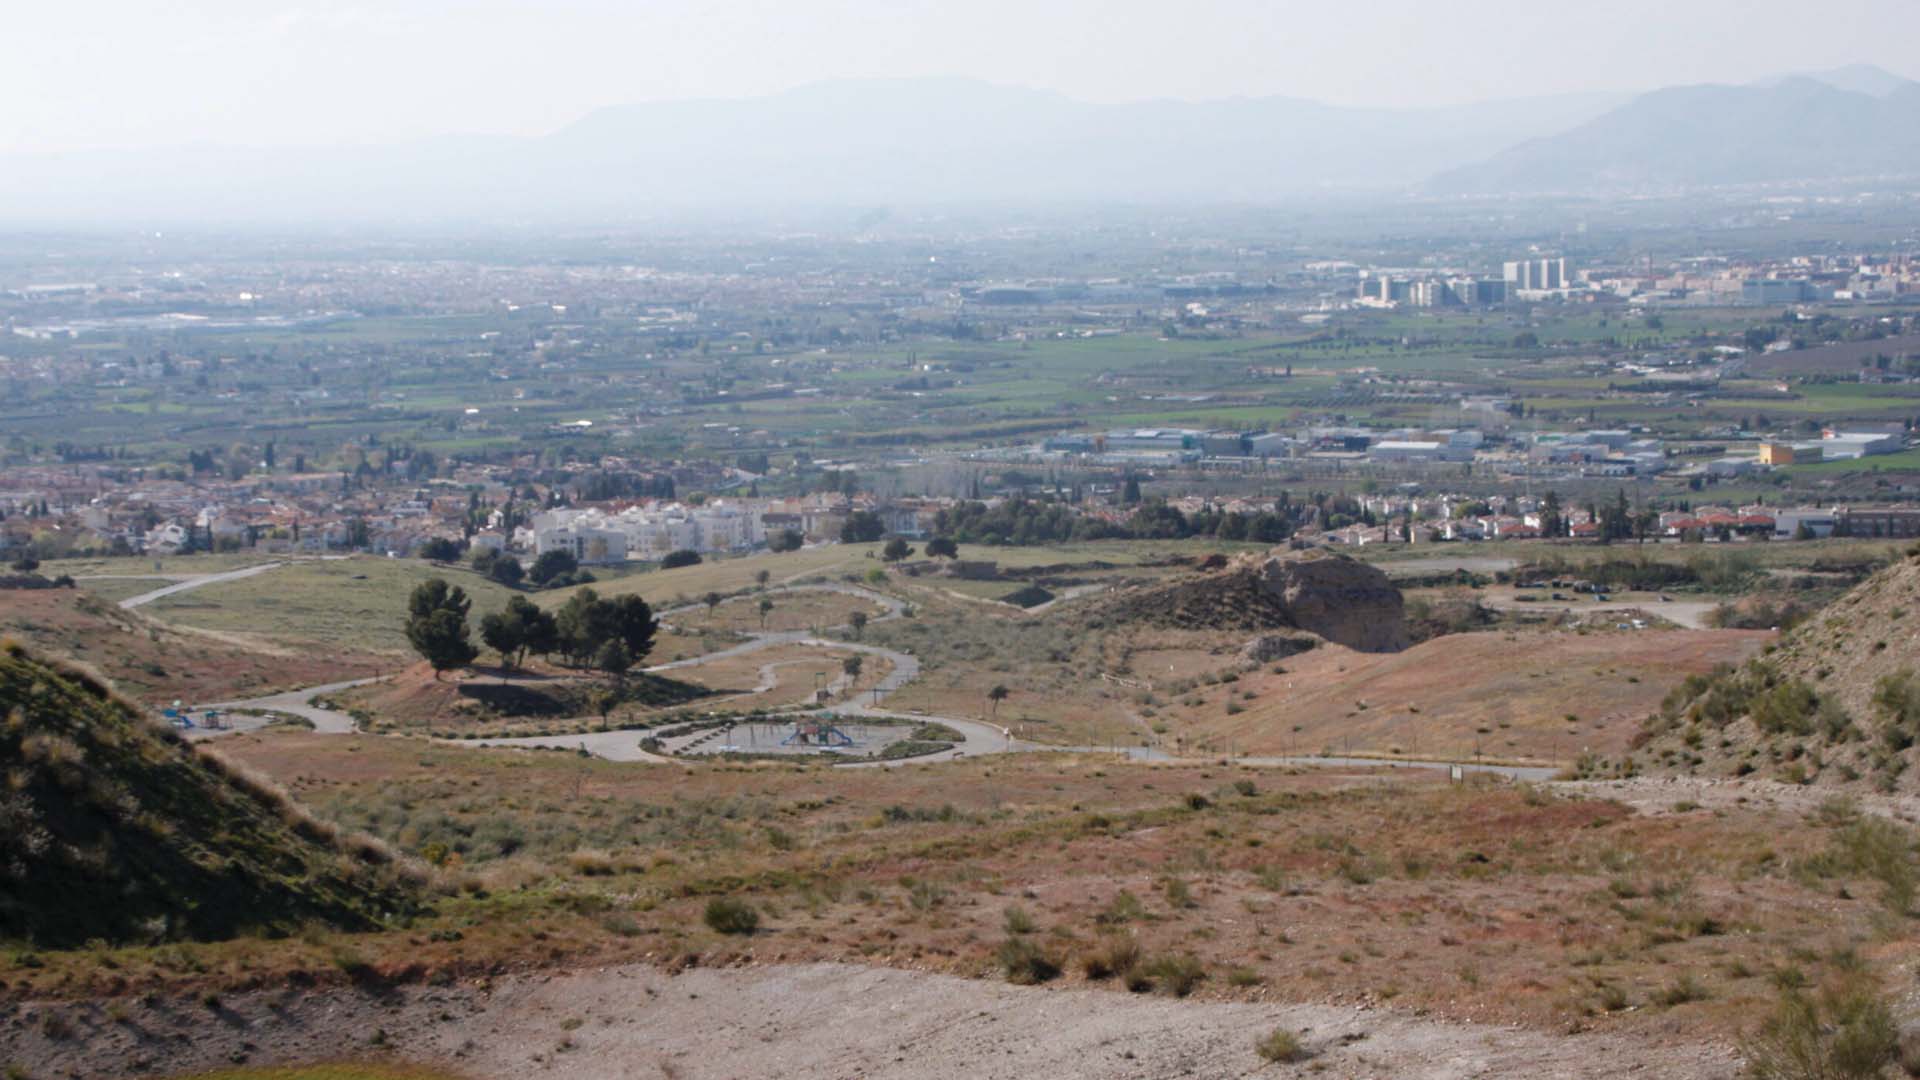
x=1903 y=461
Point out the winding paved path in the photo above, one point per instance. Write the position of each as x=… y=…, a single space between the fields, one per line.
x=977 y=738
x=291 y=702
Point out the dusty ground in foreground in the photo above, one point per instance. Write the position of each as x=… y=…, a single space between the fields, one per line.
x=806 y=1021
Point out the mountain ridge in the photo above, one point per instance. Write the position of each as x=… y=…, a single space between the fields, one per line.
x=961 y=141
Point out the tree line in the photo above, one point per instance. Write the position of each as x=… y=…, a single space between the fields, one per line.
x=587 y=632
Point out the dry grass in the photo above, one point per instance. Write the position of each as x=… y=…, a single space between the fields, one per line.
x=156 y=663
x=804 y=610
x=1482 y=901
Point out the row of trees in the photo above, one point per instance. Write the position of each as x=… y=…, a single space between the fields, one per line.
x=1024 y=521
x=611 y=635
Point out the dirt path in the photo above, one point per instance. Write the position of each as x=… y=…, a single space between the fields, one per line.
x=195 y=582
x=812 y=1022
x=1689 y=614
x=1671 y=794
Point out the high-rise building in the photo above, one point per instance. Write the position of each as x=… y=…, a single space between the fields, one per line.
x=1536 y=274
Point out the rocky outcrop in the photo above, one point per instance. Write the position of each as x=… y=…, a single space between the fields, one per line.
x=1267 y=648
x=1332 y=596
x=1340 y=599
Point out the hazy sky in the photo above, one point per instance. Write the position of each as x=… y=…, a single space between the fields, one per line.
x=93 y=73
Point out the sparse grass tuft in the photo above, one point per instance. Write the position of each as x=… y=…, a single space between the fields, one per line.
x=1281 y=1046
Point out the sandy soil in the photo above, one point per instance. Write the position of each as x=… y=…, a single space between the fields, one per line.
x=804 y=1021
x=1502 y=695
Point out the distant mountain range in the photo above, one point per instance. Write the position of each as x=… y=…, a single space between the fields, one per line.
x=959 y=141
x=1855 y=123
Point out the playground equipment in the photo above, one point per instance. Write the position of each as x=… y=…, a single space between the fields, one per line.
x=183 y=718
x=818 y=731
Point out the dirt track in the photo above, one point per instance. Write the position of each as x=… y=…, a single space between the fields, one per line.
x=812 y=1022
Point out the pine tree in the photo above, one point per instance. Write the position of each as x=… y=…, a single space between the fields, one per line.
x=437 y=625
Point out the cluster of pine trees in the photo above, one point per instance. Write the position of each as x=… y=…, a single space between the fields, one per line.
x=611 y=635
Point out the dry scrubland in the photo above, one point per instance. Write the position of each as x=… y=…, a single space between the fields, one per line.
x=1835 y=703
x=1082 y=681
x=1659 y=928
x=353 y=603
x=815 y=610
x=1478 y=902
x=156 y=662
x=1525 y=695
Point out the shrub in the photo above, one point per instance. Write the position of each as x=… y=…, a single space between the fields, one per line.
x=1788 y=708
x=1877 y=849
x=1019 y=922
x=1840 y=1034
x=1026 y=963
x=590 y=862
x=730 y=916
x=1123 y=908
x=1680 y=991
x=1281 y=1045
x=1175 y=973
x=1119 y=955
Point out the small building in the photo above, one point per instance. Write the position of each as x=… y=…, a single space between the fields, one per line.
x=1787 y=524
x=1773 y=454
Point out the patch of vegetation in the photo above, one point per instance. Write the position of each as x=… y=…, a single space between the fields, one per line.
x=1027 y=962
x=102 y=802
x=1842 y=1032
x=729 y=916
x=1281 y=1046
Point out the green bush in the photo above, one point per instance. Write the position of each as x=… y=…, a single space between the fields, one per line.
x=729 y=916
x=1786 y=709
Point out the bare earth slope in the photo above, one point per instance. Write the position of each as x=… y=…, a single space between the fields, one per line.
x=816 y=1022
x=1536 y=696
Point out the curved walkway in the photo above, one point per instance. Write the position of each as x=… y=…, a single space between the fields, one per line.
x=291 y=702
x=977 y=738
